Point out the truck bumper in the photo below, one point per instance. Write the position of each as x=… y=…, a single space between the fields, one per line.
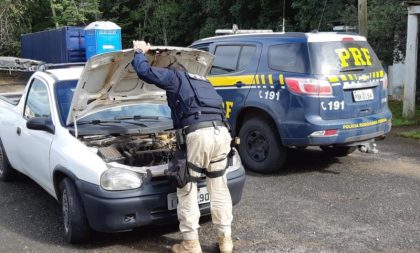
x=124 y=210
x=350 y=131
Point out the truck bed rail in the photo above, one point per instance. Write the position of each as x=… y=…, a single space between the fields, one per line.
x=11 y=98
x=18 y=64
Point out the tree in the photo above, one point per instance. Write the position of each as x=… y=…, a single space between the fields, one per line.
x=13 y=22
x=73 y=12
x=387 y=29
x=311 y=15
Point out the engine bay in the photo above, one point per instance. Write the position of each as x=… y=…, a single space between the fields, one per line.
x=133 y=150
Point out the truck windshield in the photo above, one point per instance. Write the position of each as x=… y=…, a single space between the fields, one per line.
x=335 y=57
x=64 y=93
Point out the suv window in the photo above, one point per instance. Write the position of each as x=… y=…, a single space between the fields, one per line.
x=288 y=57
x=206 y=48
x=245 y=57
x=226 y=60
x=231 y=59
x=37 y=102
x=333 y=58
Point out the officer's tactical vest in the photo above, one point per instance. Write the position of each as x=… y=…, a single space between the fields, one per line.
x=197 y=97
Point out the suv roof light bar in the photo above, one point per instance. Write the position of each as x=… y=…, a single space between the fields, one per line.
x=235 y=30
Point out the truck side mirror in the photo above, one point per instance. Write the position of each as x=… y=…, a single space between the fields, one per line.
x=41 y=123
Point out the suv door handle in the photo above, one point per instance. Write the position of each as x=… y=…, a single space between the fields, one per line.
x=239 y=84
x=18 y=130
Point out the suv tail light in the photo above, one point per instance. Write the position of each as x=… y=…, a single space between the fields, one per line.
x=308 y=86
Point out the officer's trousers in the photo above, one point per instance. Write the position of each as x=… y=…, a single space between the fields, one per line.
x=203 y=147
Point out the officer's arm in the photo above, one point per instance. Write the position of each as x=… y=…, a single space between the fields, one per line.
x=161 y=77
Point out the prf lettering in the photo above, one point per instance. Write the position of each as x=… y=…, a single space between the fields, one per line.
x=361 y=56
x=228 y=108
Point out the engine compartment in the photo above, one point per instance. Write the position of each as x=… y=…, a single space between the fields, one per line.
x=133 y=150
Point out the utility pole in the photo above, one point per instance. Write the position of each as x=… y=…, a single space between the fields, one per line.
x=409 y=105
x=362 y=14
x=284 y=19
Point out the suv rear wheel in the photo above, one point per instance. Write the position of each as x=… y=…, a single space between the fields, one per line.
x=76 y=228
x=7 y=173
x=338 y=151
x=260 y=148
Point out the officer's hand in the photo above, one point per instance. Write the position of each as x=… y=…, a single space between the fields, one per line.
x=141 y=45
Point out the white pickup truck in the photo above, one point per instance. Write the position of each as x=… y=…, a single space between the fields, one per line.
x=97 y=139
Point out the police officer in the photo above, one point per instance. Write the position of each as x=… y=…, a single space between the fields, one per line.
x=197 y=109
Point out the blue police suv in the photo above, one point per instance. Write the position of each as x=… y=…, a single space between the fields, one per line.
x=286 y=90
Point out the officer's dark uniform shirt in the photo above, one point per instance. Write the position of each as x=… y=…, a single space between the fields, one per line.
x=170 y=81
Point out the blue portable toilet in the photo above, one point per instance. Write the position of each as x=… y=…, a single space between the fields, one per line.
x=102 y=37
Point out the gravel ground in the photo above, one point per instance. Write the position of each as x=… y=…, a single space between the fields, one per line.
x=360 y=203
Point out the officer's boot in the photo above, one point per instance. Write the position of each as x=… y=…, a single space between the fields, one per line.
x=192 y=246
x=225 y=244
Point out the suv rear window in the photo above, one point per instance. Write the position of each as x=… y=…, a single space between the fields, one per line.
x=288 y=57
x=231 y=59
x=334 y=57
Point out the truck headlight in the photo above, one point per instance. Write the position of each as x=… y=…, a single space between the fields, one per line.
x=115 y=179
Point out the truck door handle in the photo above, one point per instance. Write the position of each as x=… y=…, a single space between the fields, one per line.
x=18 y=130
x=239 y=84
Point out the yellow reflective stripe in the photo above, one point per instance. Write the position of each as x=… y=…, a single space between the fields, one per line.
x=281 y=79
x=262 y=79
x=270 y=79
x=350 y=77
x=343 y=77
x=333 y=79
x=355 y=76
x=257 y=79
x=231 y=80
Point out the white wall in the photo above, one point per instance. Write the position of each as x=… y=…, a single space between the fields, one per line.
x=396 y=74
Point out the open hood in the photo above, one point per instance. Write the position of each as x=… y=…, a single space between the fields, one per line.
x=109 y=80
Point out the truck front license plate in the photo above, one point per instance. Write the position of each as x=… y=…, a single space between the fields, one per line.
x=202 y=197
x=363 y=95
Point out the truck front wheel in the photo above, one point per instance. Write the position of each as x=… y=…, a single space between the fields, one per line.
x=260 y=148
x=76 y=228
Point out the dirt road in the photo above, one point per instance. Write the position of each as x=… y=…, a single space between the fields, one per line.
x=360 y=203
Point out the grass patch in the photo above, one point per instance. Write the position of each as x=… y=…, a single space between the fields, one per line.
x=415 y=134
x=397 y=119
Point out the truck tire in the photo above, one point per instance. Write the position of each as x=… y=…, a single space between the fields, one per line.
x=260 y=147
x=338 y=151
x=7 y=173
x=76 y=227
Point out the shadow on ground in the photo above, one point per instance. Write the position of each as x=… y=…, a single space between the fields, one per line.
x=26 y=209
x=304 y=161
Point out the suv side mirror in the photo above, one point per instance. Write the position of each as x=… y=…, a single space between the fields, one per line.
x=41 y=123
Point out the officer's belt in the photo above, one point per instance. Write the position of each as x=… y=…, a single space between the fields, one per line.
x=204 y=124
x=210 y=174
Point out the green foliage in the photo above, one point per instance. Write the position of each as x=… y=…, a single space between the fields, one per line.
x=309 y=13
x=75 y=12
x=13 y=22
x=414 y=134
x=387 y=29
x=397 y=118
x=180 y=22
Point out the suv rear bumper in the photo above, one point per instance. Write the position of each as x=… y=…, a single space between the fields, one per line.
x=348 y=131
x=124 y=210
